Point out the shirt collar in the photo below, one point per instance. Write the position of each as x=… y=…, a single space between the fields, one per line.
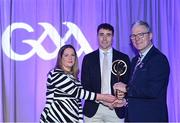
x=102 y=51
x=145 y=52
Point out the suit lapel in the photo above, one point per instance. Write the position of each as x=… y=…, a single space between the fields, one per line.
x=97 y=68
x=115 y=56
x=149 y=55
x=144 y=61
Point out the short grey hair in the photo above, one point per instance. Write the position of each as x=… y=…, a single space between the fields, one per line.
x=142 y=23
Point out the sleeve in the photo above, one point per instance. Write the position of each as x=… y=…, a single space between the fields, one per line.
x=127 y=74
x=85 y=80
x=66 y=85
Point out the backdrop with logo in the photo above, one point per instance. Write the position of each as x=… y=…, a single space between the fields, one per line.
x=32 y=31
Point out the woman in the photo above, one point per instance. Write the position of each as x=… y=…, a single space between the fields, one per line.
x=64 y=91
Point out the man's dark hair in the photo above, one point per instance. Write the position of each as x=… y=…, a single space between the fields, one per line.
x=105 y=26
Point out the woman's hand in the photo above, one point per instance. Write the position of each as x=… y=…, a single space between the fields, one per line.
x=116 y=104
x=106 y=98
x=119 y=103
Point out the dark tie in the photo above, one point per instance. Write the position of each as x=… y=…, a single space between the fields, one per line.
x=139 y=61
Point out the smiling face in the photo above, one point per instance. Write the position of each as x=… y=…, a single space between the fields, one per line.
x=141 y=38
x=68 y=59
x=105 y=38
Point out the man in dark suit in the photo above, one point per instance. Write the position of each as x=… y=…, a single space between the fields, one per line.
x=94 y=76
x=147 y=89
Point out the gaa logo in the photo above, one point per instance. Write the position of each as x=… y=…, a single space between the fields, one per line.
x=37 y=48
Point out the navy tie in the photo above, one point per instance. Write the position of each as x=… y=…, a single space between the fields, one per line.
x=139 y=61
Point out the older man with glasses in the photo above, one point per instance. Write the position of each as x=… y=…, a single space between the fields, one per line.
x=147 y=88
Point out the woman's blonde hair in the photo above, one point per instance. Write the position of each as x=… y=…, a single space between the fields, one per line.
x=74 y=70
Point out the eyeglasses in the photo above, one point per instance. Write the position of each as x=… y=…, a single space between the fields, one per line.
x=139 y=35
